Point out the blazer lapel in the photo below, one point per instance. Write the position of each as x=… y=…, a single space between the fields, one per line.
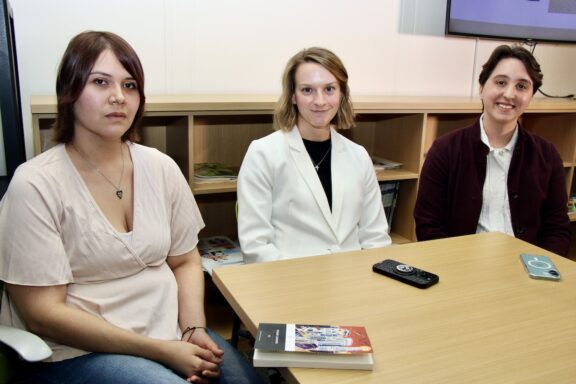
x=338 y=167
x=306 y=169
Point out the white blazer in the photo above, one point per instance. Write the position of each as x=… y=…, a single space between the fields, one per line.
x=283 y=211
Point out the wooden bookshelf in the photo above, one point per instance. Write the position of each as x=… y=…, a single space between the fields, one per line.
x=219 y=128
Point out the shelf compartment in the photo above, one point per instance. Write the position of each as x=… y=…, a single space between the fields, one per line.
x=170 y=135
x=557 y=128
x=225 y=138
x=42 y=132
x=393 y=136
x=402 y=224
x=219 y=213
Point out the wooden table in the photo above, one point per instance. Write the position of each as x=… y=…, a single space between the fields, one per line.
x=485 y=322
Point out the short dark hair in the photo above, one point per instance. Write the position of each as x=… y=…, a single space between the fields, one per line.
x=75 y=67
x=514 y=52
x=286 y=113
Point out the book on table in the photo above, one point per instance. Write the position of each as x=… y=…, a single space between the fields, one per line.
x=218 y=251
x=312 y=346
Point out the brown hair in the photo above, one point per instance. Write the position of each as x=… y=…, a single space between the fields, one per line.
x=286 y=112
x=513 y=52
x=75 y=67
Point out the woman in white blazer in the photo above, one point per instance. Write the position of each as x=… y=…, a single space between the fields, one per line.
x=306 y=190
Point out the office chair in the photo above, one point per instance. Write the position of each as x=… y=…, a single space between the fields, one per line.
x=18 y=344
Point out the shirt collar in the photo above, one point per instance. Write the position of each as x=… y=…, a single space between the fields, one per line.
x=484 y=137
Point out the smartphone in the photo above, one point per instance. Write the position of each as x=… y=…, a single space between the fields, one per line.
x=540 y=267
x=406 y=273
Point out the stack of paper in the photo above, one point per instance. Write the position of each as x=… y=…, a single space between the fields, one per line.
x=381 y=163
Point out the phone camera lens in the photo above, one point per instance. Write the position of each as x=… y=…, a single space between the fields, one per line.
x=404 y=269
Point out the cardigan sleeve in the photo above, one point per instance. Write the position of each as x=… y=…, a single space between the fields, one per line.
x=555 y=233
x=430 y=209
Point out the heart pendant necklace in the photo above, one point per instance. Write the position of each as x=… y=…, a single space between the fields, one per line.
x=119 y=193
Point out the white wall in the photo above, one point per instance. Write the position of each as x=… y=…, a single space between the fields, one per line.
x=390 y=47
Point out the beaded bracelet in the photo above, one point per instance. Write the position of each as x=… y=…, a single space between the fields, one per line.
x=191 y=330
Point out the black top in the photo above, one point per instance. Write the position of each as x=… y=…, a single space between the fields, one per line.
x=321 y=153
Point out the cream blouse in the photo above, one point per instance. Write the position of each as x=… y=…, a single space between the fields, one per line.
x=52 y=232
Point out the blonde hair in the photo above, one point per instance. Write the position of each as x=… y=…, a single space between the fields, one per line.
x=286 y=112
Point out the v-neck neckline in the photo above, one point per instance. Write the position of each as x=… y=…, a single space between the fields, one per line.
x=86 y=190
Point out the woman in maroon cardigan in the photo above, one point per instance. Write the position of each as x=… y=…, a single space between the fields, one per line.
x=494 y=175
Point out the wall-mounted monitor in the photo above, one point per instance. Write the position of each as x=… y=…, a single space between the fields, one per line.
x=10 y=109
x=528 y=20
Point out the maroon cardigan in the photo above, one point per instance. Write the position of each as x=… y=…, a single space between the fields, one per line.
x=452 y=178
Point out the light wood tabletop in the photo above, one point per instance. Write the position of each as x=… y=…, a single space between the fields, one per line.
x=486 y=321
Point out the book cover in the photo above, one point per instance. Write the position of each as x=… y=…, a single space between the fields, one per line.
x=312 y=346
x=389 y=192
x=217 y=251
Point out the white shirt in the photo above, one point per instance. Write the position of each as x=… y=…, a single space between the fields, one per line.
x=495 y=215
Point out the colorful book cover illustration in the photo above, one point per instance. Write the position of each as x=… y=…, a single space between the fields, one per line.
x=327 y=339
x=217 y=251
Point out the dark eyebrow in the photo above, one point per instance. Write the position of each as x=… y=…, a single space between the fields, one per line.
x=108 y=75
x=518 y=80
x=100 y=73
x=310 y=85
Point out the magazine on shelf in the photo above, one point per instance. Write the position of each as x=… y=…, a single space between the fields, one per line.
x=381 y=164
x=312 y=346
x=218 y=251
x=214 y=172
x=389 y=190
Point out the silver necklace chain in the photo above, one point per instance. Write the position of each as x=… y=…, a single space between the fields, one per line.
x=118 y=188
x=317 y=165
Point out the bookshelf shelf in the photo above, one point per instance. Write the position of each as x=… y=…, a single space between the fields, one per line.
x=194 y=129
x=395 y=174
x=219 y=187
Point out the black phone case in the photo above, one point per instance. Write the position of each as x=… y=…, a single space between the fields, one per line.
x=406 y=273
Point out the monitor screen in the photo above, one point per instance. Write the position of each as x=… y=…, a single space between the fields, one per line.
x=536 y=20
x=10 y=109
